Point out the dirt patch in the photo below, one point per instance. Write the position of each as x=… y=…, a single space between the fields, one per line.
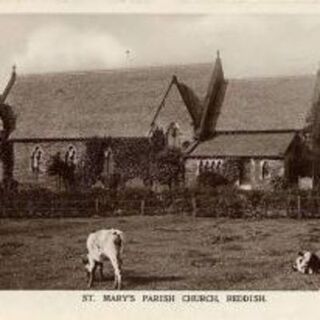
x=307 y=239
x=204 y=262
x=163 y=229
x=233 y=247
x=275 y=252
x=44 y=236
x=314 y=229
x=221 y=239
x=193 y=253
x=10 y=248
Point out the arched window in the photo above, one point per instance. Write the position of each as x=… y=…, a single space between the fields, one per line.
x=71 y=155
x=245 y=169
x=207 y=166
x=2 y=131
x=108 y=167
x=219 y=165
x=200 y=167
x=158 y=138
x=265 y=170
x=173 y=135
x=36 y=159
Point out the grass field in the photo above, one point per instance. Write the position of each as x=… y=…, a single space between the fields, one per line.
x=162 y=252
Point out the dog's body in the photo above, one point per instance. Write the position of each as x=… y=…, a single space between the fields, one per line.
x=102 y=245
x=307 y=262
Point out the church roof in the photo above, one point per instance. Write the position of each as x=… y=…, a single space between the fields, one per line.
x=258 y=144
x=122 y=103
x=98 y=103
x=279 y=103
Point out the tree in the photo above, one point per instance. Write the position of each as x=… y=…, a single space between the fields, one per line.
x=158 y=140
x=169 y=167
x=92 y=170
x=212 y=179
x=64 y=171
x=312 y=134
x=94 y=162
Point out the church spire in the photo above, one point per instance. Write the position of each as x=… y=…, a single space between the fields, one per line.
x=212 y=102
x=9 y=85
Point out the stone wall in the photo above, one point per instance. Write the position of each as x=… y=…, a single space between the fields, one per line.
x=23 y=151
x=264 y=170
x=258 y=172
x=130 y=159
x=192 y=167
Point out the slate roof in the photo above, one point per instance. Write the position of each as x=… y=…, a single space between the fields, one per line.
x=122 y=103
x=266 y=104
x=245 y=145
x=103 y=103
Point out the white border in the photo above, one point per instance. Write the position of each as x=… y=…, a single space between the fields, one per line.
x=161 y=6
x=67 y=305
x=46 y=305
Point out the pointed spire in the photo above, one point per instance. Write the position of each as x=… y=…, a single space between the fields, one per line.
x=9 y=85
x=316 y=90
x=217 y=75
x=218 y=66
x=318 y=72
x=211 y=107
x=191 y=101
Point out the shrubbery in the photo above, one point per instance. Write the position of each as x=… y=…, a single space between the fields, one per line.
x=211 y=179
x=169 y=167
x=223 y=201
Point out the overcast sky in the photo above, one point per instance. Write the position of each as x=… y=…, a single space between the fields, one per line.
x=250 y=45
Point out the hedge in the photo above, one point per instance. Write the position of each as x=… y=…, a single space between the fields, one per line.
x=202 y=202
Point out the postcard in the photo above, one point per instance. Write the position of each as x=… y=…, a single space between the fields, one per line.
x=159 y=159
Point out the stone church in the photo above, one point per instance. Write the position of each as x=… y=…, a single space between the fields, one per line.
x=260 y=122
x=61 y=113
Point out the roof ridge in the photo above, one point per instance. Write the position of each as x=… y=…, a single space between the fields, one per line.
x=120 y=69
x=271 y=131
x=263 y=78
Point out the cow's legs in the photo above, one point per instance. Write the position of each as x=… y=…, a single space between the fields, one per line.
x=100 y=265
x=92 y=269
x=117 y=272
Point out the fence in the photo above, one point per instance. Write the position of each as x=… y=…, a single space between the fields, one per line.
x=234 y=206
x=292 y=206
x=101 y=206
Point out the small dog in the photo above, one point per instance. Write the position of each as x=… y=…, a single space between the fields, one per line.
x=307 y=262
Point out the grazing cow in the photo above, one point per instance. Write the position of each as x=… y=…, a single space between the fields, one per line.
x=102 y=245
x=307 y=262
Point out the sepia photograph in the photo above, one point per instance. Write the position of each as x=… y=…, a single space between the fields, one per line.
x=160 y=151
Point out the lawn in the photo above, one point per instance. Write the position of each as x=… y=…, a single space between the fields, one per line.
x=161 y=252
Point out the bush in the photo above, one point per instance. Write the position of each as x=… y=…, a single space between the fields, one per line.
x=228 y=201
x=211 y=179
x=169 y=167
x=224 y=201
x=64 y=171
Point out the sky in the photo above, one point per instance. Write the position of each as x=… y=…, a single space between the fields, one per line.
x=251 y=45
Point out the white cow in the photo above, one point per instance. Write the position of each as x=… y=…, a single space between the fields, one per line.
x=102 y=245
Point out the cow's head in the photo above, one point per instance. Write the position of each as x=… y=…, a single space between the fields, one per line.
x=306 y=263
x=85 y=261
